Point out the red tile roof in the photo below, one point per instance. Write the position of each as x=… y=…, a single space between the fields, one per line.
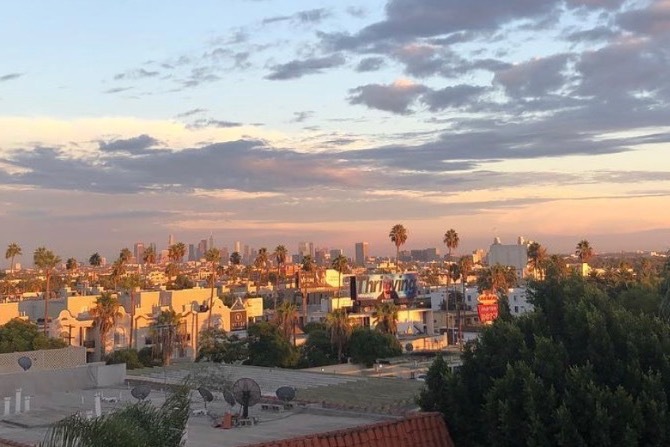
x=417 y=430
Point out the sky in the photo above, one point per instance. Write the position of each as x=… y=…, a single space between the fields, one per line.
x=277 y=121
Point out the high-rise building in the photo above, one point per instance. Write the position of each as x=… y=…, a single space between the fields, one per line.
x=225 y=256
x=361 y=250
x=191 y=252
x=202 y=249
x=171 y=240
x=320 y=255
x=335 y=252
x=238 y=247
x=138 y=252
x=210 y=244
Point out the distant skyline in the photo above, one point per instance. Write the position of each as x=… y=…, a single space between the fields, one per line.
x=276 y=121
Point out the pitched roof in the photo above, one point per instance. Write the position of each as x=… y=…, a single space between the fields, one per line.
x=417 y=430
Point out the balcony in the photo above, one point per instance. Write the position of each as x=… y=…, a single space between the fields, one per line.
x=89 y=344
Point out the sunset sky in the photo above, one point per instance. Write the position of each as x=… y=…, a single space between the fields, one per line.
x=277 y=121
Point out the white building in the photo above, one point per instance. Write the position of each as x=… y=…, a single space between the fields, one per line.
x=515 y=255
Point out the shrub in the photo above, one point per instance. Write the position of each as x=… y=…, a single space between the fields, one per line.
x=127 y=356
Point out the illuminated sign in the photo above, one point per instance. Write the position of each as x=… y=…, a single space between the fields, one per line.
x=487 y=312
x=238 y=320
x=382 y=287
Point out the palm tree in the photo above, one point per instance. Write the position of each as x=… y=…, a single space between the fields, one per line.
x=46 y=260
x=537 y=256
x=280 y=254
x=149 y=259
x=71 y=265
x=105 y=314
x=398 y=236
x=95 y=260
x=497 y=279
x=286 y=319
x=130 y=283
x=451 y=240
x=337 y=323
x=341 y=264
x=261 y=262
x=213 y=258
x=167 y=331
x=308 y=266
x=176 y=252
x=465 y=265
x=584 y=251
x=171 y=271
x=386 y=314
x=125 y=255
x=118 y=272
x=13 y=250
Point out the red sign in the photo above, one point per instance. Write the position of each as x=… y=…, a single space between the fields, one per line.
x=487 y=312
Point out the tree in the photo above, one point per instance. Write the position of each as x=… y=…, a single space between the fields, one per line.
x=149 y=259
x=71 y=265
x=537 y=256
x=106 y=313
x=171 y=271
x=215 y=345
x=269 y=347
x=13 y=250
x=130 y=283
x=386 y=314
x=579 y=370
x=95 y=260
x=308 y=266
x=235 y=260
x=176 y=252
x=584 y=251
x=280 y=255
x=497 y=279
x=261 y=262
x=339 y=329
x=118 y=272
x=366 y=346
x=398 y=236
x=341 y=264
x=317 y=350
x=286 y=319
x=213 y=259
x=139 y=424
x=18 y=335
x=167 y=334
x=125 y=255
x=451 y=240
x=465 y=265
x=46 y=261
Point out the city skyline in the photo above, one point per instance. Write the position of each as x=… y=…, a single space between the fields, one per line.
x=274 y=122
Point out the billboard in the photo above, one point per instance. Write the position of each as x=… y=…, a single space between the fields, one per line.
x=402 y=286
x=487 y=312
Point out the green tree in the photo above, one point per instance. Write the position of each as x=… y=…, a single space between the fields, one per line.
x=235 y=261
x=118 y=272
x=167 y=333
x=18 y=335
x=47 y=261
x=308 y=267
x=339 y=329
x=286 y=319
x=139 y=424
x=537 y=256
x=13 y=250
x=386 y=314
x=176 y=252
x=451 y=240
x=341 y=264
x=130 y=284
x=125 y=255
x=317 y=350
x=497 y=279
x=280 y=253
x=269 y=347
x=71 y=265
x=215 y=345
x=398 y=236
x=213 y=259
x=584 y=251
x=366 y=346
x=261 y=262
x=105 y=314
x=95 y=260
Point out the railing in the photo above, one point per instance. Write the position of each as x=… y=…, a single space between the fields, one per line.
x=89 y=344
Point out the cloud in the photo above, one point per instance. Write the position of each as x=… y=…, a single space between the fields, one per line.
x=10 y=77
x=653 y=20
x=117 y=90
x=299 y=68
x=395 y=98
x=140 y=73
x=136 y=146
x=370 y=64
x=203 y=123
x=453 y=96
x=191 y=112
x=300 y=117
x=310 y=16
x=534 y=78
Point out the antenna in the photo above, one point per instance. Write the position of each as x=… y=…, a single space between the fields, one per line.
x=207 y=395
x=25 y=363
x=247 y=393
x=229 y=398
x=286 y=394
x=140 y=392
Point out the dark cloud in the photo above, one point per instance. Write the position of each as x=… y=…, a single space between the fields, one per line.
x=140 y=73
x=597 y=34
x=395 y=98
x=299 y=68
x=202 y=123
x=191 y=112
x=310 y=16
x=300 y=117
x=356 y=11
x=370 y=64
x=136 y=146
x=10 y=77
x=456 y=96
x=653 y=20
x=117 y=90
x=533 y=78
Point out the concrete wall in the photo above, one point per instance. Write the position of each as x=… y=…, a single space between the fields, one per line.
x=35 y=383
x=46 y=359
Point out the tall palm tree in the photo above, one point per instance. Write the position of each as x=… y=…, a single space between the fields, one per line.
x=148 y=258
x=13 y=250
x=167 y=332
x=261 y=262
x=308 y=266
x=465 y=265
x=95 y=260
x=171 y=271
x=280 y=254
x=451 y=240
x=213 y=259
x=176 y=252
x=130 y=283
x=106 y=313
x=537 y=256
x=386 y=314
x=398 y=236
x=47 y=261
x=118 y=272
x=337 y=323
x=286 y=319
x=584 y=251
x=341 y=264
x=125 y=255
x=71 y=265
x=497 y=279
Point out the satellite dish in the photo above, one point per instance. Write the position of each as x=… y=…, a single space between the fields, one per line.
x=409 y=347
x=285 y=393
x=207 y=395
x=25 y=363
x=229 y=398
x=247 y=393
x=140 y=392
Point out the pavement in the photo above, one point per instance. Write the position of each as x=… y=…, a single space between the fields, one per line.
x=302 y=419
